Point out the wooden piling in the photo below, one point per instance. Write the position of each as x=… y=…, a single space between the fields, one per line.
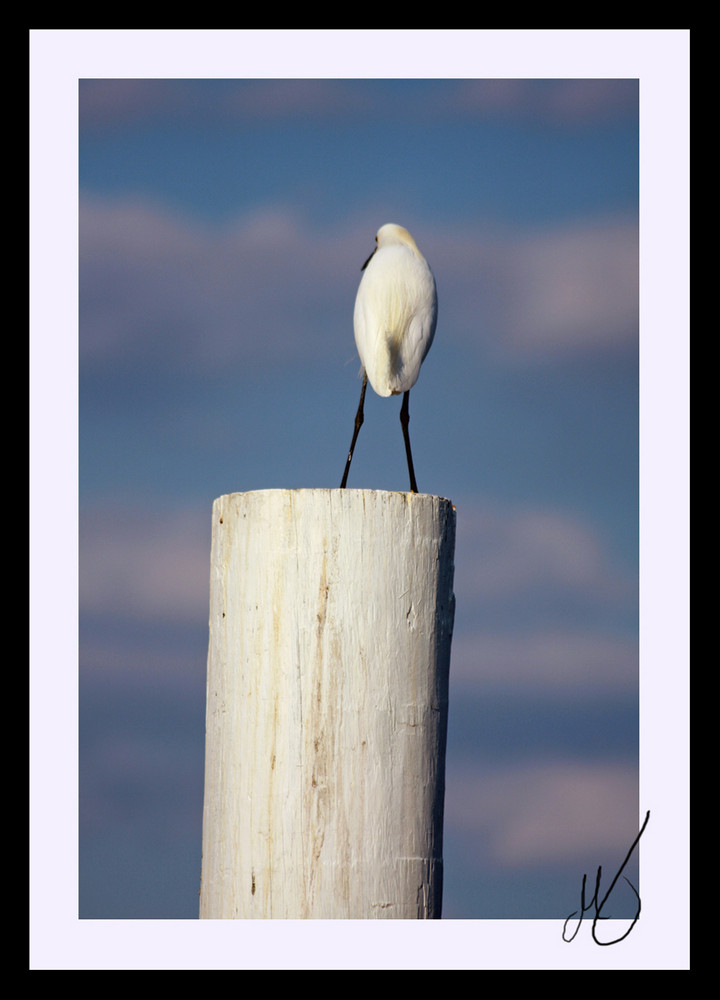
x=331 y=615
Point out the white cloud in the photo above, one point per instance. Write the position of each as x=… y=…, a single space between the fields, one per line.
x=561 y=664
x=146 y=567
x=563 y=102
x=158 y=287
x=154 y=567
x=546 y=812
x=104 y=101
x=271 y=287
x=548 y=293
x=569 y=289
x=515 y=550
x=569 y=102
x=185 y=102
x=522 y=578
x=158 y=562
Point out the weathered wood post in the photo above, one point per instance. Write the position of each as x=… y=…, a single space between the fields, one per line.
x=331 y=615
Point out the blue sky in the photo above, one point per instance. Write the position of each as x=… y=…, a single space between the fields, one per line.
x=222 y=227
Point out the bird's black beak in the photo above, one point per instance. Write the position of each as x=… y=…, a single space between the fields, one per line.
x=369 y=259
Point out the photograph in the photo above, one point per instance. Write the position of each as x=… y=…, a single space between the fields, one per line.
x=355 y=379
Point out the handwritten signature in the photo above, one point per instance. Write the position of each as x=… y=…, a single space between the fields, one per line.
x=598 y=904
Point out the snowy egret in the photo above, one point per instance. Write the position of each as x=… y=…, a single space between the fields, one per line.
x=395 y=318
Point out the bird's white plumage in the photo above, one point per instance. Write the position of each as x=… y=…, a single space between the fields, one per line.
x=395 y=312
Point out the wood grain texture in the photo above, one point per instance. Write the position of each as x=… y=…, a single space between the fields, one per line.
x=331 y=616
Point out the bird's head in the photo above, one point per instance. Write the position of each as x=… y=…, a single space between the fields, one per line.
x=391 y=235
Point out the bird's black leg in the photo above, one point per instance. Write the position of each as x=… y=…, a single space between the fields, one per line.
x=405 y=420
x=359 y=416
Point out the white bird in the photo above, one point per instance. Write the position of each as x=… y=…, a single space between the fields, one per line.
x=395 y=319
